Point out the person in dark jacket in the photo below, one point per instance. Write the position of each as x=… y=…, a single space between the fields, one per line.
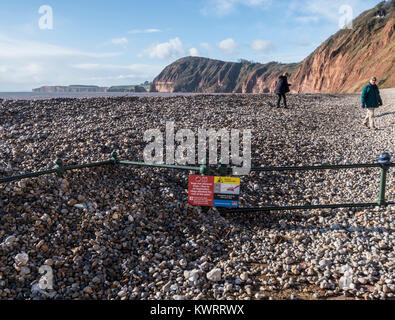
x=282 y=87
x=371 y=100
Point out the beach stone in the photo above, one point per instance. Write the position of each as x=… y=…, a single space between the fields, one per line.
x=166 y=287
x=96 y=280
x=214 y=275
x=192 y=275
x=72 y=202
x=325 y=263
x=122 y=293
x=24 y=271
x=10 y=241
x=183 y=263
x=88 y=290
x=21 y=259
x=244 y=276
x=174 y=287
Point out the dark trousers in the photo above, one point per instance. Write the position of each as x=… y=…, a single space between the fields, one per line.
x=279 y=99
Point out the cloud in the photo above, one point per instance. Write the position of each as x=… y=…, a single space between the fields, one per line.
x=23 y=49
x=262 y=46
x=226 y=7
x=114 y=74
x=330 y=10
x=138 y=31
x=33 y=68
x=120 y=79
x=306 y=19
x=219 y=7
x=26 y=64
x=228 y=46
x=112 y=67
x=120 y=41
x=302 y=43
x=205 y=45
x=25 y=74
x=194 y=52
x=171 y=49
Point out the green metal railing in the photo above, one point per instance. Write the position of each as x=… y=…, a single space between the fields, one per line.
x=384 y=164
x=380 y=202
x=60 y=168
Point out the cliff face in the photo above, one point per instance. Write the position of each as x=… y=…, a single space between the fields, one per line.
x=193 y=74
x=345 y=62
x=342 y=64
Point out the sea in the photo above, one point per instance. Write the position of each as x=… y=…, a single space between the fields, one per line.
x=46 y=96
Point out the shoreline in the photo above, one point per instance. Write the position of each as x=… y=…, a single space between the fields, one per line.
x=43 y=97
x=27 y=96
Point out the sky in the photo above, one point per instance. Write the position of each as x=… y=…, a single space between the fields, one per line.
x=119 y=42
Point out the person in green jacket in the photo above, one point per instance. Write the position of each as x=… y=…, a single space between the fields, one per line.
x=371 y=100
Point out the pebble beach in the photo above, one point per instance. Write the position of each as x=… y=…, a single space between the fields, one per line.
x=128 y=233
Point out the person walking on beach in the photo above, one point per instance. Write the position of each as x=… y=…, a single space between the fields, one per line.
x=371 y=100
x=282 y=87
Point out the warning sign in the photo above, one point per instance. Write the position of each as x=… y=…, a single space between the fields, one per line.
x=201 y=191
x=214 y=191
x=227 y=180
x=226 y=192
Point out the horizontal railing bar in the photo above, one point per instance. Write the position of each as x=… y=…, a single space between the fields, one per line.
x=323 y=167
x=262 y=169
x=88 y=165
x=168 y=166
x=51 y=171
x=306 y=207
x=27 y=175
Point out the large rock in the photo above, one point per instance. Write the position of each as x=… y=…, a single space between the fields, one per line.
x=214 y=275
x=191 y=275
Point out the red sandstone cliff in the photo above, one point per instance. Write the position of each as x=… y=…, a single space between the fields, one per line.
x=342 y=64
x=345 y=62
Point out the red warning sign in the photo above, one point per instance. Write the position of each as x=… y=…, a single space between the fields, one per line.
x=201 y=191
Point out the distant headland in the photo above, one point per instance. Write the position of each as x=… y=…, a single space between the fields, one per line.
x=144 y=87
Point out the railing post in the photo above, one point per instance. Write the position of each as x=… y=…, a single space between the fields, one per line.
x=204 y=169
x=223 y=169
x=59 y=167
x=114 y=157
x=384 y=160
